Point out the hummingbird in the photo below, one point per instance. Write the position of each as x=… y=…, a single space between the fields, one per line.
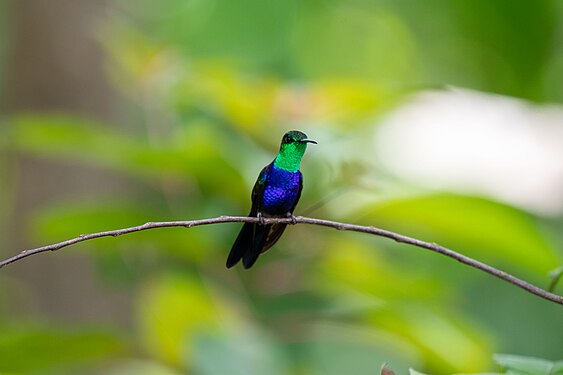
x=275 y=194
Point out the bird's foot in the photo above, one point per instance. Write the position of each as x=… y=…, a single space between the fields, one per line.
x=293 y=218
x=260 y=218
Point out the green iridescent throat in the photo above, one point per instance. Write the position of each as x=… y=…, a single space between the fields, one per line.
x=289 y=157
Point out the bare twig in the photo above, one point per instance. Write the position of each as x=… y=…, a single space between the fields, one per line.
x=303 y=220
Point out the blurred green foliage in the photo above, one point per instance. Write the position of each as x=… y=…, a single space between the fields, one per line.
x=520 y=365
x=54 y=349
x=211 y=86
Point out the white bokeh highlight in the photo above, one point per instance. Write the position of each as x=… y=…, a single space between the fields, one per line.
x=471 y=142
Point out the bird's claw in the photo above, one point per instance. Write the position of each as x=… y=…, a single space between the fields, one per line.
x=260 y=219
x=293 y=219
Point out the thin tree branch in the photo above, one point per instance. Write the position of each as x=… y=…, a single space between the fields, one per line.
x=302 y=220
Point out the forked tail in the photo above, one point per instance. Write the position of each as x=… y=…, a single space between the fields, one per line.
x=248 y=245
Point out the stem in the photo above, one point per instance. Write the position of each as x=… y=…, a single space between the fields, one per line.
x=301 y=220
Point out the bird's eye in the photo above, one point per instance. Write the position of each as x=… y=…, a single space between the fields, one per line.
x=287 y=139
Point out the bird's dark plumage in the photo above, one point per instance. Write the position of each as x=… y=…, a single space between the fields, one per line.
x=275 y=194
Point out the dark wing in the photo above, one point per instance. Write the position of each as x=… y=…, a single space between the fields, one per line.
x=277 y=229
x=258 y=190
x=298 y=193
x=251 y=238
x=274 y=235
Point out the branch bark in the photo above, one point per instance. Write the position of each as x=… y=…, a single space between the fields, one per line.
x=302 y=220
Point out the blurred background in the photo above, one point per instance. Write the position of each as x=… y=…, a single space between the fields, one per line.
x=440 y=119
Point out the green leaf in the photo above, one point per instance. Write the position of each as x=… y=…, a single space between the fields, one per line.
x=247 y=352
x=173 y=310
x=40 y=348
x=555 y=276
x=362 y=268
x=490 y=231
x=519 y=365
x=194 y=151
x=335 y=348
x=72 y=218
x=414 y=372
x=447 y=342
x=71 y=137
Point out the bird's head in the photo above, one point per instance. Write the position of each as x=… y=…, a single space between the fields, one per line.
x=295 y=136
x=293 y=146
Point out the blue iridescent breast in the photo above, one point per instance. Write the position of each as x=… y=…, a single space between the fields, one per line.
x=281 y=191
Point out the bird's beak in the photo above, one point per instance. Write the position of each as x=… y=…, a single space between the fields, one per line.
x=306 y=140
